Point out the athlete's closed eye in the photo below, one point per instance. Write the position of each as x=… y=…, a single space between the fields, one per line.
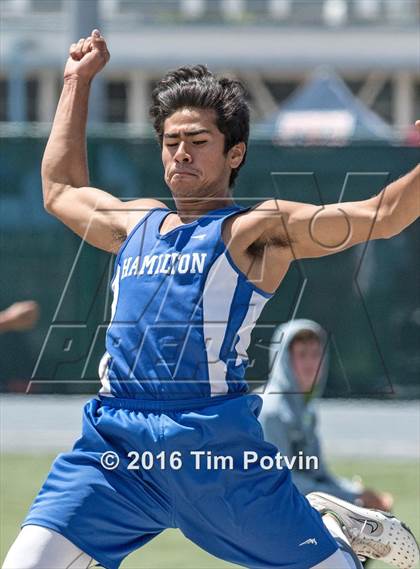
x=195 y=142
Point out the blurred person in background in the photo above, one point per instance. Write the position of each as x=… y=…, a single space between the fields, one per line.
x=19 y=316
x=299 y=364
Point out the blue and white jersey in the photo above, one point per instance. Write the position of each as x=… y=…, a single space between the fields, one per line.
x=182 y=313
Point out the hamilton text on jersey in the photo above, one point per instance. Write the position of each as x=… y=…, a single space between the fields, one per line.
x=166 y=263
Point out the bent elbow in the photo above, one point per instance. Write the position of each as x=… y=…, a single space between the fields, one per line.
x=389 y=226
x=48 y=207
x=384 y=224
x=47 y=195
x=50 y=192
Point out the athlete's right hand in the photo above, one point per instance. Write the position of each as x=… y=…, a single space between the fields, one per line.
x=87 y=57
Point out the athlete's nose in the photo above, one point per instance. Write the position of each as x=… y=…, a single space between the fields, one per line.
x=181 y=154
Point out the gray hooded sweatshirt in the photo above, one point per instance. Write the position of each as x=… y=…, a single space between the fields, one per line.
x=289 y=417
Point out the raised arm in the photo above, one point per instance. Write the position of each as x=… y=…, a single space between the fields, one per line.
x=307 y=230
x=98 y=217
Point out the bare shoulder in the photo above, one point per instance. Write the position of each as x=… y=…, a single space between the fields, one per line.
x=262 y=257
x=250 y=226
x=262 y=211
x=137 y=209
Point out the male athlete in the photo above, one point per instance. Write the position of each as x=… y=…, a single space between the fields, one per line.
x=188 y=287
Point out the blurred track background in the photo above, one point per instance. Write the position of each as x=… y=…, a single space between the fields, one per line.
x=334 y=89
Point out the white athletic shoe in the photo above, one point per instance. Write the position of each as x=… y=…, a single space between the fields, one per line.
x=371 y=533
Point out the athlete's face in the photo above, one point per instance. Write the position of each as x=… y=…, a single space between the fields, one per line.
x=306 y=360
x=193 y=154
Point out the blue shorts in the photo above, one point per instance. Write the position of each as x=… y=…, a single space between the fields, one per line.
x=232 y=506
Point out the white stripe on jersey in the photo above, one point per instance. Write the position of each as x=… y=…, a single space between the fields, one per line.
x=218 y=293
x=256 y=304
x=103 y=364
x=103 y=374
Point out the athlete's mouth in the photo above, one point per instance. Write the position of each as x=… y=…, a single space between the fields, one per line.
x=183 y=173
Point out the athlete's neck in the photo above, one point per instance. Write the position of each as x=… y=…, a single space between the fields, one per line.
x=189 y=209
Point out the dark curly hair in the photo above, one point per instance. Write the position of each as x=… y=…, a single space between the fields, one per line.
x=195 y=86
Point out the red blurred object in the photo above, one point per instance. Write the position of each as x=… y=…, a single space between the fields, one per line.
x=17 y=385
x=412 y=137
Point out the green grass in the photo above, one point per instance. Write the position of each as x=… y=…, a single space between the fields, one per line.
x=21 y=477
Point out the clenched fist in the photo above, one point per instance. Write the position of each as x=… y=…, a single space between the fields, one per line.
x=87 y=57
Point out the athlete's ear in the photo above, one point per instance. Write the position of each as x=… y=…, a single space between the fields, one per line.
x=236 y=154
